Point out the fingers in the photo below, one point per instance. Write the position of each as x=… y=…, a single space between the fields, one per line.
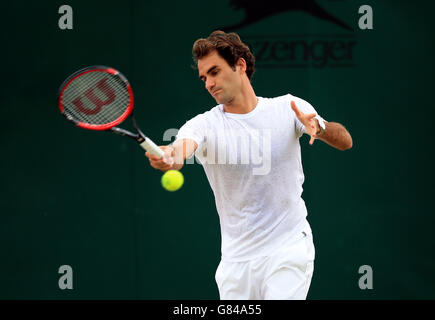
x=151 y=156
x=296 y=110
x=312 y=140
x=168 y=156
x=164 y=163
x=307 y=121
x=168 y=160
x=301 y=116
x=161 y=164
x=167 y=153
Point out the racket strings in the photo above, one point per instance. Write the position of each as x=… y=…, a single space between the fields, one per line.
x=96 y=98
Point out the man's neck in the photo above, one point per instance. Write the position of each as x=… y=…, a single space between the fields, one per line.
x=245 y=102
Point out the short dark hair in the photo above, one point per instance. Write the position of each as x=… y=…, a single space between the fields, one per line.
x=229 y=47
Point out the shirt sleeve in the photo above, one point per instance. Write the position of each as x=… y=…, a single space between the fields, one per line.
x=194 y=130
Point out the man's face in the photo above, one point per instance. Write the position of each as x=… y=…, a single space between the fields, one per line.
x=221 y=81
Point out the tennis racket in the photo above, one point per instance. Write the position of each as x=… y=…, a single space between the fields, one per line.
x=100 y=98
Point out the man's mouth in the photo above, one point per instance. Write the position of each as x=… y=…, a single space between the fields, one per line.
x=215 y=91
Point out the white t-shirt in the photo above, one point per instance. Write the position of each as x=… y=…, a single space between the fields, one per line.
x=253 y=164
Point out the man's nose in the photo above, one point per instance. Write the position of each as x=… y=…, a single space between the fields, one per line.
x=209 y=84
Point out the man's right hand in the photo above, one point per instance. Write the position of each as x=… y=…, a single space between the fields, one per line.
x=174 y=155
x=166 y=162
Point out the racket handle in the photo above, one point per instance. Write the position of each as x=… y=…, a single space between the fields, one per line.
x=152 y=148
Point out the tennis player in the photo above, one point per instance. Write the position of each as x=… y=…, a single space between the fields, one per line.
x=249 y=148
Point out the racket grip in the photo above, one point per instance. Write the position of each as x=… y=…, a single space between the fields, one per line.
x=152 y=148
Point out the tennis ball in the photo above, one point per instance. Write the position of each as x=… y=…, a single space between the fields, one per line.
x=172 y=180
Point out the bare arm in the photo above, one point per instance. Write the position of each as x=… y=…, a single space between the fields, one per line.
x=336 y=136
x=174 y=155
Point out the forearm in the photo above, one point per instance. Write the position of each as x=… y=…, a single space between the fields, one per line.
x=336 y=136
x=182 y=149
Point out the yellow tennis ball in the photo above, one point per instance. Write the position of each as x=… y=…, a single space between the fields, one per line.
x=172 y=180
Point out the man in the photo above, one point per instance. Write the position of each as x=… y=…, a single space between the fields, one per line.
x=267 y=247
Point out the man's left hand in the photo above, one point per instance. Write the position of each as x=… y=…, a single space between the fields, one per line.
x=311 y=125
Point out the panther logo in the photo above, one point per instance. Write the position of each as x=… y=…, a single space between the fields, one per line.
x=256 y=10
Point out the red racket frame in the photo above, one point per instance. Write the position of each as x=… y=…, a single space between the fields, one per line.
x=81 y=72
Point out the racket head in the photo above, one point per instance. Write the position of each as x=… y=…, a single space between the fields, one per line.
x=96 y=98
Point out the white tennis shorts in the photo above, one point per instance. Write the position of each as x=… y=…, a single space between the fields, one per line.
x=284 y=275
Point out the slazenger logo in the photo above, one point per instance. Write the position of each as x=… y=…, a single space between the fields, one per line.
x=295 y=50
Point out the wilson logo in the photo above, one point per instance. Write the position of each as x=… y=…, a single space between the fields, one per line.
x=97 y=102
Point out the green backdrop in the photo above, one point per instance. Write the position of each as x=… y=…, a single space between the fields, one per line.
x=90 y=200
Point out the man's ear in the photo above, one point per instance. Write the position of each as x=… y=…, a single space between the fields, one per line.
x=241 y=63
